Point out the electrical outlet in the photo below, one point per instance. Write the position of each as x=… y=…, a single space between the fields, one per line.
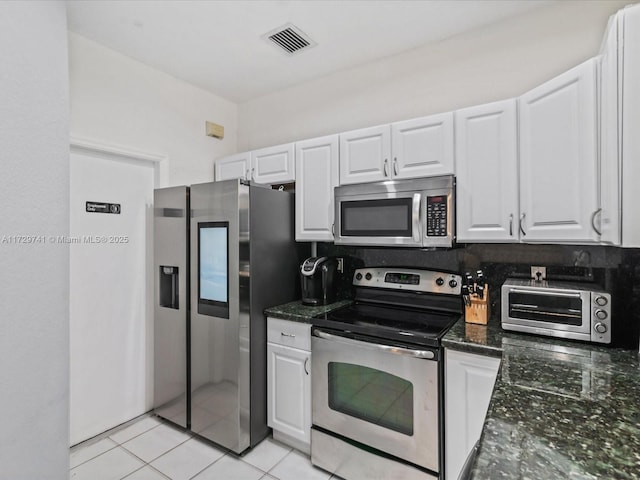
x=539 y=273
x=340 y=264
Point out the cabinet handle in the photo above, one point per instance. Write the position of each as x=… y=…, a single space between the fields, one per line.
x=306 y=360
x=524 y=234
x=253 y=177
x=287 y=335
x=246 y=175
x=386 y=167
x=333 y=229
x=593 y=221
x=511 y=225
x=395 y=166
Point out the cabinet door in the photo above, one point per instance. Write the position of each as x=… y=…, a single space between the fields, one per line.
x=273 y=165
x=469 y=381
x=422 y=147
x=234 y=166
x=487 y=172
x=365 y=154
x=631 y=126
x=316 y=177
x=289 y=391
x=610 y=135
x=558 y=158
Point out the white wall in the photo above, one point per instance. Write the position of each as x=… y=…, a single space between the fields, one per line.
x=119 y=101
x=34 y=278
x=496 y=62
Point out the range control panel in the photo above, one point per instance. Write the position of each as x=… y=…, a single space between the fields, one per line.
x=429 y=281
x=437 y=216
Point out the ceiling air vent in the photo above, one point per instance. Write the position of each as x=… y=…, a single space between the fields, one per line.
x=290 y=39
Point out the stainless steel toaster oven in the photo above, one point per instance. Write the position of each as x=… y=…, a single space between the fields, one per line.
x=557 y=309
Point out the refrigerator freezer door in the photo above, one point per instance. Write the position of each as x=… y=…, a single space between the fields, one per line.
x=171 y=302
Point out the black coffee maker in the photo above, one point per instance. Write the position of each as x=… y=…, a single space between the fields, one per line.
x=318 y=280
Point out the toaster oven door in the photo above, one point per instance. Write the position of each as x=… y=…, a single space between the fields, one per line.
x=558 y=313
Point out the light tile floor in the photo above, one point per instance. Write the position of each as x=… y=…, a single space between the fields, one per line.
x=150 y=449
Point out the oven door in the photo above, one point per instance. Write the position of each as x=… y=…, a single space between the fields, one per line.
x=382 y=396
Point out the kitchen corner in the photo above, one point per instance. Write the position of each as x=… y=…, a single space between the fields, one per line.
x=559 y=409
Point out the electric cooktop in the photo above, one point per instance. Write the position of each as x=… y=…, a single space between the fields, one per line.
x=407 y=305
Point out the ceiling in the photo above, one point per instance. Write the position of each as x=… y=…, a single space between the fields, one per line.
x=218 y=45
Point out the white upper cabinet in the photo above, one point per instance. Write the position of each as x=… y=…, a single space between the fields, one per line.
x=558 y=158
x=234 y=166
x=365 y=154
x=422 y=147
x=316 y=177
x=415 y=148
x=487 y=172
x=268 y=166
x=629 y=95
x=273 y=165
x=610 y=141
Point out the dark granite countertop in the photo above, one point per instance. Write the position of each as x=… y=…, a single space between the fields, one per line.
x=302 y=313
x=559 y=409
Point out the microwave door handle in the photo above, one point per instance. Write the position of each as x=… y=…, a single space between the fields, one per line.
x=417 y=203
x=545 y=293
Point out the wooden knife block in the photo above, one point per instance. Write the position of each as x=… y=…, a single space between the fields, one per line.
x=478 y=311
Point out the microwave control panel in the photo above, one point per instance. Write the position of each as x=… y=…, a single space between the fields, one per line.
x=437 y=216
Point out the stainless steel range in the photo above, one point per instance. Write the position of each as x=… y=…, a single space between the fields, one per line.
x=377 y=376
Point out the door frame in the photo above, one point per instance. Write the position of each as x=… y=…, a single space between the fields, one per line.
x=111 y=151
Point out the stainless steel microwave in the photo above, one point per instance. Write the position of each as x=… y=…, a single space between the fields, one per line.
x=557 y=309
x=397 y=213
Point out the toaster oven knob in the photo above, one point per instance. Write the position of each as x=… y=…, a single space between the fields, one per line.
x=601 y=315
x=601 y=301
x=367 y=276
x=453 y=283
x=358 y=276
x=439 y=281
x=600 y=327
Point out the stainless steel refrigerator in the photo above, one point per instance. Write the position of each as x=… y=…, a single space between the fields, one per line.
x=242 y=260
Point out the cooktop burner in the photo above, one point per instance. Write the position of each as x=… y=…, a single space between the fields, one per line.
x=406 y=325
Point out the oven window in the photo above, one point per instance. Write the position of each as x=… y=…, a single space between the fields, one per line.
x=371 y=395
x=546 y=308
x=376 y=218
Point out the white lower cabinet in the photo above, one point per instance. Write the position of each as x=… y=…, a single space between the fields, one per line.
x=289 y=382
x=469 y=381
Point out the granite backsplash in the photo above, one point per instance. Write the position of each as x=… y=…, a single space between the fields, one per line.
x=617 y=270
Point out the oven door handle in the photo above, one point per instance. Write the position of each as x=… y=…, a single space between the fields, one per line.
x=426 y=354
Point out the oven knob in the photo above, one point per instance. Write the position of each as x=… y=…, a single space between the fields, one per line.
x=600 y=327
x=601 y=315
x=453 y=283
x=358 y=276
x=439 y=281
x=601 y=301
x=367 y=276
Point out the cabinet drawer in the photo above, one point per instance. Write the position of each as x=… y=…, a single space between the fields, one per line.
x=289 y=333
